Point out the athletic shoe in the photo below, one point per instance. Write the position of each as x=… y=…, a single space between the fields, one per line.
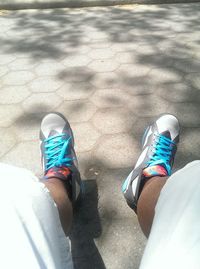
x=58 y=155
x=159 y=146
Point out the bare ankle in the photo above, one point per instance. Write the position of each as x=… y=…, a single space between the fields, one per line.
x=147 y=202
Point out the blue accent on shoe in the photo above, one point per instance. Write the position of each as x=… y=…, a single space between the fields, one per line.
x=57 y=148
x=154 y=173
x=124 y=186
x=162 y=152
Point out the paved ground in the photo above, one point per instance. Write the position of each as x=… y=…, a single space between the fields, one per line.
x=109 y=71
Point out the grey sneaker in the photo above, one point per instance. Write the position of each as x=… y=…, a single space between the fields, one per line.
x=159 y=147
x=58 y=155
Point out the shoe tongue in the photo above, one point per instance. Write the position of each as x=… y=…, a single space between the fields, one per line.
x=52 y=133
x=166 y=134
x=155 y=170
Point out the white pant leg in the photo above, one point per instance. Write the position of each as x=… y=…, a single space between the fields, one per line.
x=31 y=235
x=174 y=240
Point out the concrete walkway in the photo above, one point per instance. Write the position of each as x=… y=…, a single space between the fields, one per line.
x=110 y=71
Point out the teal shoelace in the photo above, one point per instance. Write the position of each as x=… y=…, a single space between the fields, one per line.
x=56 y=149
x=162 y=152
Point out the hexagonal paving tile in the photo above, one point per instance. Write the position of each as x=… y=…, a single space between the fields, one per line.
x=97 y=35
x=76 y=60
x=3 y=70
x=106 y=65
x=76 y=91
x=4 y=30
x=27 y=127
x=166 y=44
x=124 y=46
x=188 y=65
x=197 y=54
x=84 y=164
x=41 y=102
x=189 y=151
x=119 y=47
x=82 y=49
x=186 y=37
x=178 y=92
x=119 y=234
x=45 y=84
x=146 y=49
x=110 y=98
x=9 y=113
x=22 y=64
x=117 y=151
x=194 y=79
x=193 y=46
x=76 y=74
x=7 y=140
x=163 y=75
x=132 y=70
x=7 y=58
x=148 y=105
x=137 y=85
x=179 y=51
x=17 y=78
x=77 y=111
x=105 y=53
x=113 y=180
x=13 y=94
x=105 y=80
x=113 y=208
x=29 y=156
x=49 y=68
x=113 y=120
x=96 y=44
x=140 y=126
x=187 y=113
x=85 y=136
x=155 y=60
x=126 y=57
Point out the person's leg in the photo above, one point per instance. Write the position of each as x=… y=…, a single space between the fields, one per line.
x=174 y=240
x=32 y=212
x=147 y=202
x=167 y=208
x=143 y=185
x=30 y=227
x=59 y=194
x=61 y=175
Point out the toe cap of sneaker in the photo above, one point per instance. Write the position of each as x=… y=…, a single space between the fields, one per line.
x=168 y=123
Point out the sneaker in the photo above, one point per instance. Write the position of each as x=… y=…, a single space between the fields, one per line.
x=58 y=155
x=159 y=145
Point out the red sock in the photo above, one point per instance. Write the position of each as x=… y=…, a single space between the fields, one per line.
x=156 y=170
x=58 y=172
